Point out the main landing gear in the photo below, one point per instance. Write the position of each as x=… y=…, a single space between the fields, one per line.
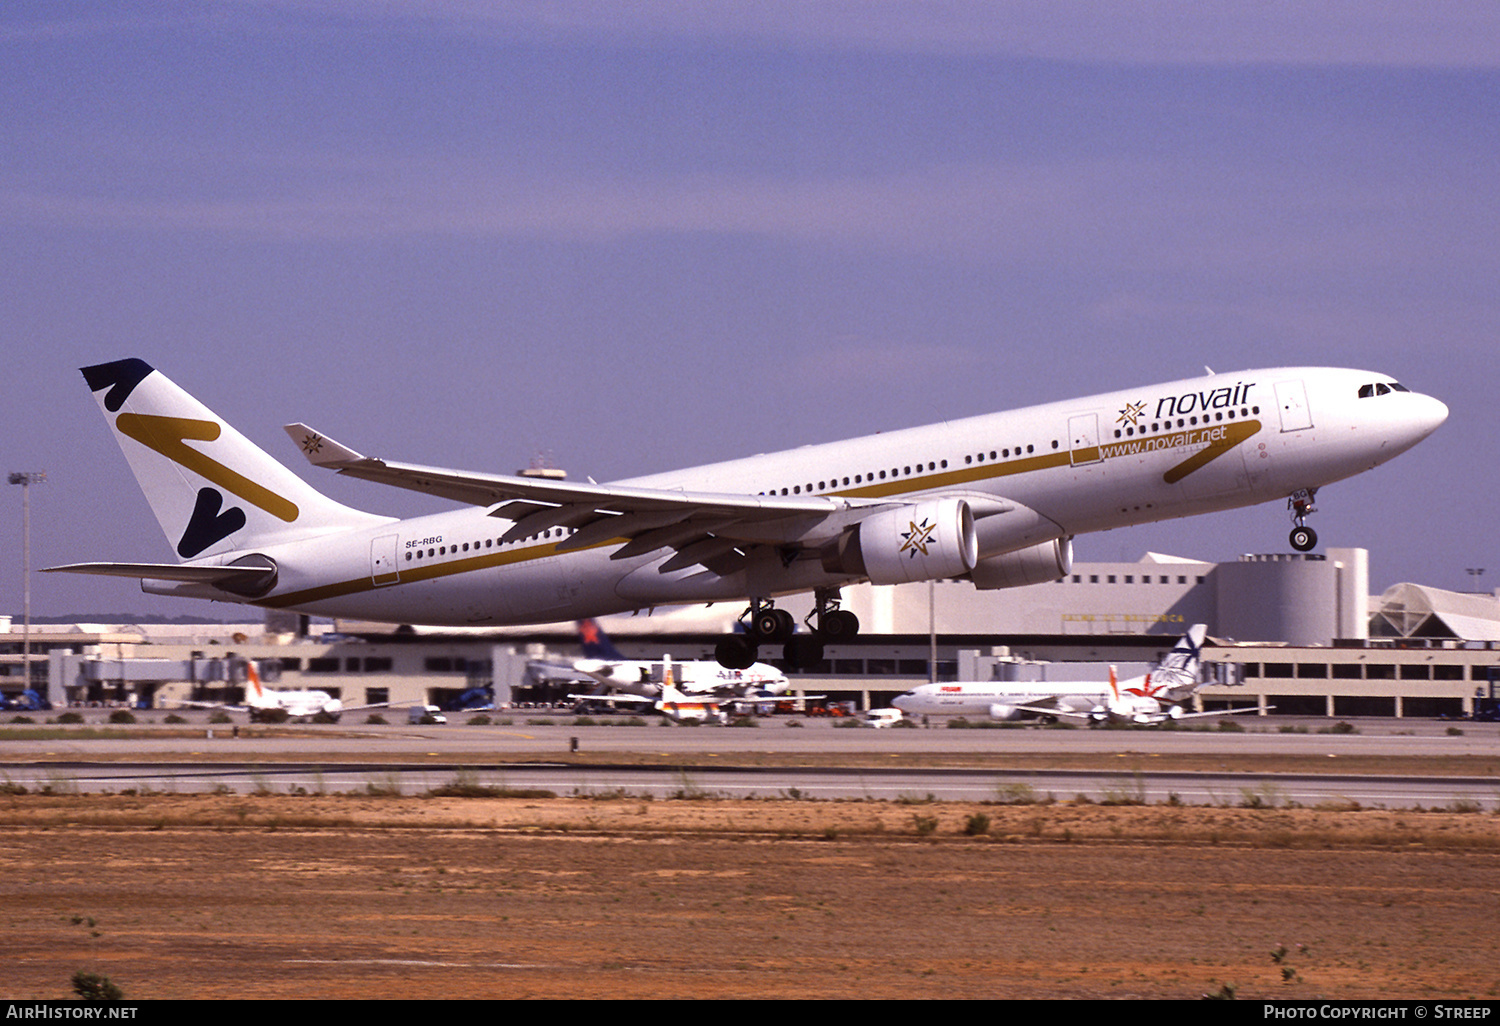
x=1303 y=538
x=765 y=624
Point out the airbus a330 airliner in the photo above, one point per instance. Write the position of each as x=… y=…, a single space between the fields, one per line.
x=994 y=499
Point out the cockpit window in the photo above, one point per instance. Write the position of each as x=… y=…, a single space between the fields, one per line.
x=1381 y=388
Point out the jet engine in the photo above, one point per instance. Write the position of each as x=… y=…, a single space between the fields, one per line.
x=925 y=541
x=1036 y=564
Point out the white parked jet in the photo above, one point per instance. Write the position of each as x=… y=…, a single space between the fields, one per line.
x=1152 y=698
x=604 y=663
x=671 y=702
x=267 y=706
x=994 y=499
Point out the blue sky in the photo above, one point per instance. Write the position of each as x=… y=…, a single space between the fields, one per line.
x=641 y=236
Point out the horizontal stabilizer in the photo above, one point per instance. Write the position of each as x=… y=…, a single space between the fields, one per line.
x=224 y=576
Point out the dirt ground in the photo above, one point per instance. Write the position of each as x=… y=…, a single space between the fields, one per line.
x=225 y=896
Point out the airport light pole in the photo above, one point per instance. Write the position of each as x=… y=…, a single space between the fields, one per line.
x=932 y=632
x=26 y=478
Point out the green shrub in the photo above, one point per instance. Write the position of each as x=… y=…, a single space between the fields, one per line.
x=95 y=987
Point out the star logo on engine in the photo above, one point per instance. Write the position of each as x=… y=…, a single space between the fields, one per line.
x=1131 y=414
x=918 y=538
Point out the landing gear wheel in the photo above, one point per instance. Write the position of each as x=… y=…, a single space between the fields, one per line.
x=802 y=651
x=735 y=653
x=774 y=625
x=838 y=624
x=1301 y=505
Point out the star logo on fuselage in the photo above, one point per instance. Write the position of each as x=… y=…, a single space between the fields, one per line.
x=918 y=538
x=1131 y=414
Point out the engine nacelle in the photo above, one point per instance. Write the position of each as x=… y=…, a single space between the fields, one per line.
x=1004 y=712
x=1038 y=564
x=926 y=541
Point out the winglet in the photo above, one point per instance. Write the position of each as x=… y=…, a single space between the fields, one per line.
x=320 y=450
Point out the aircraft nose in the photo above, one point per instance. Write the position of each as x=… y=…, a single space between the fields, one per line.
x=1432 y=413
x=1420 y=416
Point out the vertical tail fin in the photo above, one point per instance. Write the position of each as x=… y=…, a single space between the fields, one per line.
x=669 y=692
x=255 y=695
x=1185 y=655
x=211 y=488
x=595 y=643
x=1178 y=670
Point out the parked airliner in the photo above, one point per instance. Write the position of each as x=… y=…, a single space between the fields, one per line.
x=696 y=678
x=267 y=706
x=993 y=499
x=672 y=702
x=1152 y=698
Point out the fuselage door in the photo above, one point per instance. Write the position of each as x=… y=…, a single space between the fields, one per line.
x=383 y=566
x=1291 y=398
x=1083 y=438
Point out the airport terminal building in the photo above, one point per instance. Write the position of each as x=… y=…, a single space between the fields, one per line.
x=1299 y=633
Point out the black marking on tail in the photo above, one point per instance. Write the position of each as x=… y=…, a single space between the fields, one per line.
x=120 y=377
x=207 y=525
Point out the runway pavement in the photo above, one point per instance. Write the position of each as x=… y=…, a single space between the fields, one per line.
x=881 y=784
x=814 y=759
x=543 y=735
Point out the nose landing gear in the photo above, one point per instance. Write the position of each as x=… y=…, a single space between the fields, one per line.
x=1303 y=538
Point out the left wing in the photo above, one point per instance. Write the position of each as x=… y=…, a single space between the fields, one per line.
x=704 y=527
x=637 y=700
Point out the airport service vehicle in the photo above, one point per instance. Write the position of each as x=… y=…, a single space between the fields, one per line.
x=882 y=719
x=995 y=500
x=425 y=714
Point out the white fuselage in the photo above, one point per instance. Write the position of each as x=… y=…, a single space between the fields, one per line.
x=296 y=704
x=1066 y=468
x=1148 y=698
x=1002 y=701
